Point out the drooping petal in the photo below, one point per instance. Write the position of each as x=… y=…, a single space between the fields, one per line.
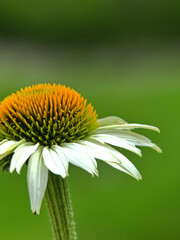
x=126 y=165
x=37 y=178
x=99 y=150
x=82 y=148
x=21 y=155
x=3 y=141
x=127 y=135
x=62 y=156
x=79 y=158
x=7 y=147
x=119 y=142
x=131 y=137
x=127 y=126
x=112 y=120
x=115 y=165
x=111 y=155
x=16 y=156
x=4 y=155
x=53 y=162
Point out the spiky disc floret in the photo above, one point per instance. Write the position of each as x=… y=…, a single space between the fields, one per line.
x=48 y=114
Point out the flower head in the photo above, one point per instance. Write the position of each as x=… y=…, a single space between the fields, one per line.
x=49 y=126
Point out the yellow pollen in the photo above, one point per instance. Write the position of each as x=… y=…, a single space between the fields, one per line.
x=49 y=114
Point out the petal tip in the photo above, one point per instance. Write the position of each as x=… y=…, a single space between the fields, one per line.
x=157 y=130
x=140 y=154
x=11 y=170
x=139 y=179
x=35 y=212
x=96 y=173
x=18 y=171
x=156 y=148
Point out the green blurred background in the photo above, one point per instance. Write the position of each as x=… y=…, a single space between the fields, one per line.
x=124 y=57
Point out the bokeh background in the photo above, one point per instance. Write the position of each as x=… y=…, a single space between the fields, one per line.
x=124 y=57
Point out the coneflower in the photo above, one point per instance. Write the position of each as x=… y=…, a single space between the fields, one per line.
x=47 y=127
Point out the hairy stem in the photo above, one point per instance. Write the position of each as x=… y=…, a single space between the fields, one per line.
x=60 y=208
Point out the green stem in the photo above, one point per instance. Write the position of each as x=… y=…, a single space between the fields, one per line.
x=59 y=207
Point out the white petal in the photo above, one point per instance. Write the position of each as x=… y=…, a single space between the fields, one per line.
x=53 y=162
x=119 y=142
x=79 y=158
x=4 y=155
x=21 y=155
x=110 y=121
x=110 y=155
x=114 y=165
x=128 y=135
x=126 y=164
x=37 y=177
x=62 y=157
x=82 y=149
x=8 y=146
x=16 y=156
x=132 y=138
x=99 y=150
x=127 y=126
x=3 y=141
